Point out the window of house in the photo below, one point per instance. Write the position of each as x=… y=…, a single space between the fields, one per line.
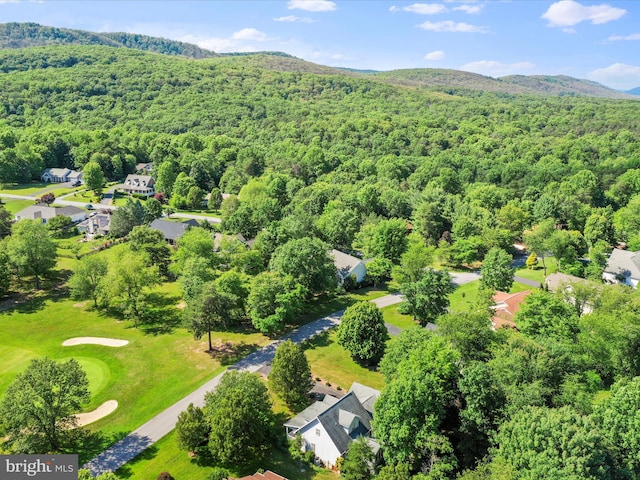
x=318 y=432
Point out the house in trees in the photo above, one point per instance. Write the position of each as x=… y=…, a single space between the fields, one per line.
x=622 y=267
x=61 y=175
x=348 y=265
x=139 y=184
x=172 y=231
x=46 y=213
x=505 y=307
x=329 y=426
x=567 y=284
x=98 y=224
x=144 y=168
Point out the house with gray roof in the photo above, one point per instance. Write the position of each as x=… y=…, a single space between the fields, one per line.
x=45 y=213
x=622 y=267
x=140 y=184
x=98 y=224
x=329 y=426
x=172 y=231
x=61 y=175
x=348 y=265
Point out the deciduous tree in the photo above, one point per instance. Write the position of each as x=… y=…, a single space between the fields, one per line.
x=192 y=428
x=93 y=177
x=497 y=271
x=290 y=375
x=39 y=406
x=86 y=281
x=242 y=422
x=31 y=249
x=363 y=333
x=428 y=298
x=359 y=462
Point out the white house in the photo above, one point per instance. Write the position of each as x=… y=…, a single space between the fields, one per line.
x=348 y=265
x=61 y=175
x=46 y=213
x=98 y=224
x=329 y=426
x=141 y=184
x=623 y=267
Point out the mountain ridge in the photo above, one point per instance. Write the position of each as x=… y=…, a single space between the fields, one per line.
x=24 y=35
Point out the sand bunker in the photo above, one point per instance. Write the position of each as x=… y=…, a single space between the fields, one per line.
x=107 y=342
x=102 y=411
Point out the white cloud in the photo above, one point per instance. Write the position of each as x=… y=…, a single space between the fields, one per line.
x=496 y=69
x=567 y=13
x=216 y=44
x=425 y=8
x=470 y=9
x=249 y=34
x=437 y=55
x=615 y=38
x=618 y=75
x=293 y=18
x=450 y=26
x=312 y=5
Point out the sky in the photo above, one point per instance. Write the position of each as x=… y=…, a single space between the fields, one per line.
x=584 y=39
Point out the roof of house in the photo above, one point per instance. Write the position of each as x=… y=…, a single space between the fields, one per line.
x=139 y=180
x=143 y=166
x=344 y=262
x=366 y=395
x=557 y=280
x=69 y=210
x=330 y=420
x=36 y=211
x=57 y=172
x=218 y=237
x=172 y=230
x=75 y=174
x=268 y=475
x=505 y=308
x=623 y=262
x=101 y=221
x=311 y=412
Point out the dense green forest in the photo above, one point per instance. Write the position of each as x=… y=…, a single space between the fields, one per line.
x=316 y=158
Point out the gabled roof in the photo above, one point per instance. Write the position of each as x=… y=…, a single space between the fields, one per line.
x=330 y=420
x=57 y=172
x=36 y=211
x=625 y=263
x=69 y=210
x=171 y=230
x=506 y=306
x=345 y=263
x=557 y=280
x=268 y=475
x=139 y=180
x=366 y=395
x=311 y=412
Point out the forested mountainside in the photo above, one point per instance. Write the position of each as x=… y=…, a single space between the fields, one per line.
x=320 y=159
x=20 y=35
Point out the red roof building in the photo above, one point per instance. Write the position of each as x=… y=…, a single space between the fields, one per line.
x=505 y=308
x=268 y=475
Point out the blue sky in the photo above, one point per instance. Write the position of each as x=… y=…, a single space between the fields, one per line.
x=584 y=39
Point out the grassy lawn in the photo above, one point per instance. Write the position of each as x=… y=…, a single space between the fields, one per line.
x=333 y=364
x=82 y=196
x=204 y=213
x=165 y=456
x=538 y=273
x=323 y=305
x=465 y=297
x=14 y=206
x=394 y=317
x=25 y=189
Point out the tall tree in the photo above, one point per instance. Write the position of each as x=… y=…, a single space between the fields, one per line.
x=87 y=278
x=537 y=239
x=428 y=298
x=363 y=333
x=39 y=406
x=359 y=462
x=93 y=177
x=151 y=243
x=31 y=249
x=308 y=262
x=126 y=217
x=241 y=419
x=128 y=283
x=5 y=222
x=387 y=239
x=209 y=310
x=192 y=428
x=290 y=375
x=5 y=277
x=497 y=271
x=553 y=443
x=413 y=405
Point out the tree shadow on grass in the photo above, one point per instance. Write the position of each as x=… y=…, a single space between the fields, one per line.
x=88 y=444
x=321 y=340
x=147 y=454
x=228 y=353
x=161 y=314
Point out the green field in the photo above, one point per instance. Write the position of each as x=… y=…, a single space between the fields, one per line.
x=14 y=206
x=26 y=189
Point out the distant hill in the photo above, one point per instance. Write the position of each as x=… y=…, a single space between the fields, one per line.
x=21 y=35
x=634 y=91
x=514 y=84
